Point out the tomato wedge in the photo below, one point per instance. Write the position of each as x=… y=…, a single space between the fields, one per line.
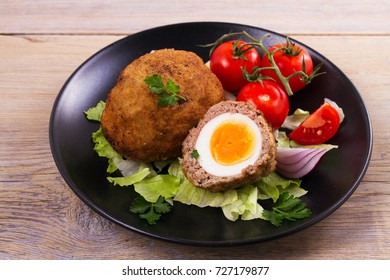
x=319 y=127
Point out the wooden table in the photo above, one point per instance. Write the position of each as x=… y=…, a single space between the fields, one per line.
x=42 y=42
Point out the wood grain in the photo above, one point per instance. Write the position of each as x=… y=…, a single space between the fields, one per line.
x=124 y=17
x=41 y=218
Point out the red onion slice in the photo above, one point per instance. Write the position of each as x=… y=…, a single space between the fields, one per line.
x=298 y=162
x=292 y=155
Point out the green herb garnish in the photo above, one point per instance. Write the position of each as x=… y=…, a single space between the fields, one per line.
x=151 y=211
x=168 y=94
x=287 y=207
x=195 y=154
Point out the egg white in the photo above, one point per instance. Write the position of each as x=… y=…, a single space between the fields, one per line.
x=202 y=145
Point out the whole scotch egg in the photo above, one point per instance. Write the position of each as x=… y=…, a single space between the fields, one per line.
x=133 y=123
x=232 y=145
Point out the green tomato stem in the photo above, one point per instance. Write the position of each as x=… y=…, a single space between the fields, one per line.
x=283 y=79
x=270 y=56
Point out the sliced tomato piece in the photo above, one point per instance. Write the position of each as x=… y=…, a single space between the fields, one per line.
x=319 y=127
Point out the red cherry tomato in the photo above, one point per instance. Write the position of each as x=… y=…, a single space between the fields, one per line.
x=319 y=127
x=226 y=64
x=288 y=64
x=269 y=98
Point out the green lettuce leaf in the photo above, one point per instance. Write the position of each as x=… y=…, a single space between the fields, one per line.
x=293 y=189
x=275 y=179
x=285 y=142
x=95 y=113
x=161 y=185
x=273 y=185
x=160 y=165
x=246 y=204
x=267 y=191
x=294 y=120
x=258 y=214
x=131 y=179
x=104 y=149
x=176 y=170
x=191 y=195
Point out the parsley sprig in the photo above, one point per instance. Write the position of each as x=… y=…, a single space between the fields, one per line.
x=287 y=207
x=148 y=210
x=168 y=93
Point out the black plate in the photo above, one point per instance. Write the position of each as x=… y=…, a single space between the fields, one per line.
x=329 y=186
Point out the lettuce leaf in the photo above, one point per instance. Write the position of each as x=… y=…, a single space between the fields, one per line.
x=127 y=167
x=266 y=191
x=294 y=120
x=160 y=165
x=95 y=113
x=160 y=185
x=273 y=185
x=295 y=190
x=275 y=179
x=258 y=214
x=176 y=170
x=104 y=149
x=285 y=142
x=269 y=187
x=191 y=195
x=130 y=179
x=246 y=204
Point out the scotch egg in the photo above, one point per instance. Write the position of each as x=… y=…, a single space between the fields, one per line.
x=232 y=145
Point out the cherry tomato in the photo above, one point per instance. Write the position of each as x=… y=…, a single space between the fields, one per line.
x=269 y=98
x=226 y=63
x=319 y=127
x=288 y=63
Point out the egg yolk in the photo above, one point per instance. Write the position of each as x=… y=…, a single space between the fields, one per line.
x=232 y=142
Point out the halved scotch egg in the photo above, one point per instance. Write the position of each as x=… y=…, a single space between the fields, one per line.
x=232 y=145
x=227 y=144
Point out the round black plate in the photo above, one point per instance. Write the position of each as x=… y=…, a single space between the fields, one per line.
x=329 y=186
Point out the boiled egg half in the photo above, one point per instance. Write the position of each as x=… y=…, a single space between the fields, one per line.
x=228 y=143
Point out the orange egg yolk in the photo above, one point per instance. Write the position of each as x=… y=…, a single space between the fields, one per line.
x=232 y=142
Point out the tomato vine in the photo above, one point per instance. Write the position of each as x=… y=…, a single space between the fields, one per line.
x=288 y=48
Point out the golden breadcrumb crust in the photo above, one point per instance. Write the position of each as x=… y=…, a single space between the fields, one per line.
x=133 y=123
